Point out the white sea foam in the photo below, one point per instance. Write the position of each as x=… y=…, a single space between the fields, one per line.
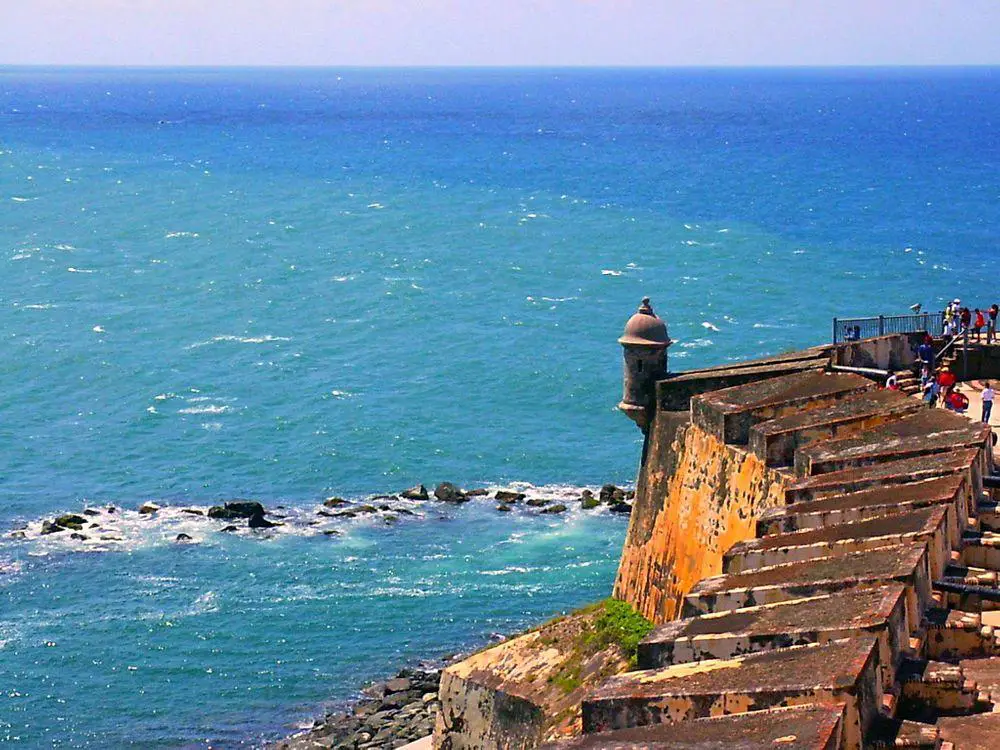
x=207 y=409
x=45 y=306
x=79 y=270
x=610 y=272
x=240 y=340
x=20 y=199
x=172 y=235
x=709 y=326
x=697 y=344
x=98 y=329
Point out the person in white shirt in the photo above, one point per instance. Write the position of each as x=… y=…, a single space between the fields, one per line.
x=988 y=395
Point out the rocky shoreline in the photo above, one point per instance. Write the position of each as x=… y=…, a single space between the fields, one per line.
x=103 y=525
x=391 y=714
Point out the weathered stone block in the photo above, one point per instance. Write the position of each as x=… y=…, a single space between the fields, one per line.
x=930 y=525
x=812 y=727
x=524 y=691
x=839 y=672
x=776 y=441
x=857 y=612
x=905 y=564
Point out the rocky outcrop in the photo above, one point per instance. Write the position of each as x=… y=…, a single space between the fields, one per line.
x=392 y=713
x=449 y=493
x=415 y=493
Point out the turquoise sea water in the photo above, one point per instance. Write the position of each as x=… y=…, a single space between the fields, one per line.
x=290 y=284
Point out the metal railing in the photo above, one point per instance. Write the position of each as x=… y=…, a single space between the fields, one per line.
x=855 y=329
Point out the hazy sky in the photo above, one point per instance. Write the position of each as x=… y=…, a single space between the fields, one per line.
x=502 y=32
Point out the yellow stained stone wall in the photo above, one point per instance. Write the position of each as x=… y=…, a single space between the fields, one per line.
x=695 y=498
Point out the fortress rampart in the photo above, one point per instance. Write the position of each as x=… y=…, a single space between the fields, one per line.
x=818 y=558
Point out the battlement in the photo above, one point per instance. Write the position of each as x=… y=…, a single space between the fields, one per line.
x=831 y=550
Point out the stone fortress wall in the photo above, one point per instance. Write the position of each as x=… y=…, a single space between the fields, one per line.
x=818 y=556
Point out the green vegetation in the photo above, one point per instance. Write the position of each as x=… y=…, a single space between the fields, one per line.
x=612 y=623
x=619 y=624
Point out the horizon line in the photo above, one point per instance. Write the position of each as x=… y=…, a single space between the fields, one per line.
x=473 y=66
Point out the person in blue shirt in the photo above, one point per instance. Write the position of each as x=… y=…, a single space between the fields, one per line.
x=925 y=352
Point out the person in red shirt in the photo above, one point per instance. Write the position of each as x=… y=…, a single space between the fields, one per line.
x=979 y=325
x=946 y=381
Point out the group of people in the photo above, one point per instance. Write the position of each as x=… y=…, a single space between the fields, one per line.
x=960 y=320
x=938 y=384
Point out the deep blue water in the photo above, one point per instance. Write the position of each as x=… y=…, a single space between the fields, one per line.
x=291 y=284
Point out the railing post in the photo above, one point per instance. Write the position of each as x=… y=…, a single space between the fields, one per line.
x=834 y=330
x=927 y=324
x=965 y=354
x=881 y=325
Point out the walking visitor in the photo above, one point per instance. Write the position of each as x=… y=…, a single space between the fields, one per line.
x=988 y=395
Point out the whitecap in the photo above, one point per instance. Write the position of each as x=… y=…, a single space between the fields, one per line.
x=375 y=205
x=98 y=329
x=697 y=344
x=341 y=394
x=723 y=231
x=709 y=326
x=78 y=270
x=208 y=409
x=240 y=340
x=172 y=235
x=690 y=243
x=45 y=306
x=342 y=279
x=766 y=325
x=211 y=426
x=609 y=272
x=19 y=199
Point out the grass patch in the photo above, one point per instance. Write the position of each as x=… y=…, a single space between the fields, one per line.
x=620 y=624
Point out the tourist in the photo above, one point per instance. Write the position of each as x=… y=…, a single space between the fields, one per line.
x=979 y=324
x=945 y=381
x=931 y=391
x=988 y=395
x=892 y=382
x=925 y=353
x=949 y=320
x=965 y=316
x=991 y=323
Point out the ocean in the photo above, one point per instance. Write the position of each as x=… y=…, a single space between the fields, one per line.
x=286 y=285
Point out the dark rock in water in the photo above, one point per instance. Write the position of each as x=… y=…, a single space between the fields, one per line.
x=586 y=493
x=345 y=514
x=589 y=502
x=397 y=685
x=93 y=526
x=390 y=519
x=229 y=528
x=334 y=502
x=537 y=502
x=19 y=534
x=403 y=511
x=245 y=508
x=377 y=498
x=217 y=511
x=182 y=538
x=71 y=521
x=620 y=508
x=112 y=509
x=557 y=508
x=193 y=511
x=385 y=507
x=78 y=537
x=147 y=509
x=50 y=528
x=506 y=496
x=477 y=493
x=325 y=513
x=630 y=495
x=257 y=520
x=91 y=512
x=611 y=494
x=449 y=493
x=415 y=493
x=366 y=509
x=503 y=508
x=331 y=532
